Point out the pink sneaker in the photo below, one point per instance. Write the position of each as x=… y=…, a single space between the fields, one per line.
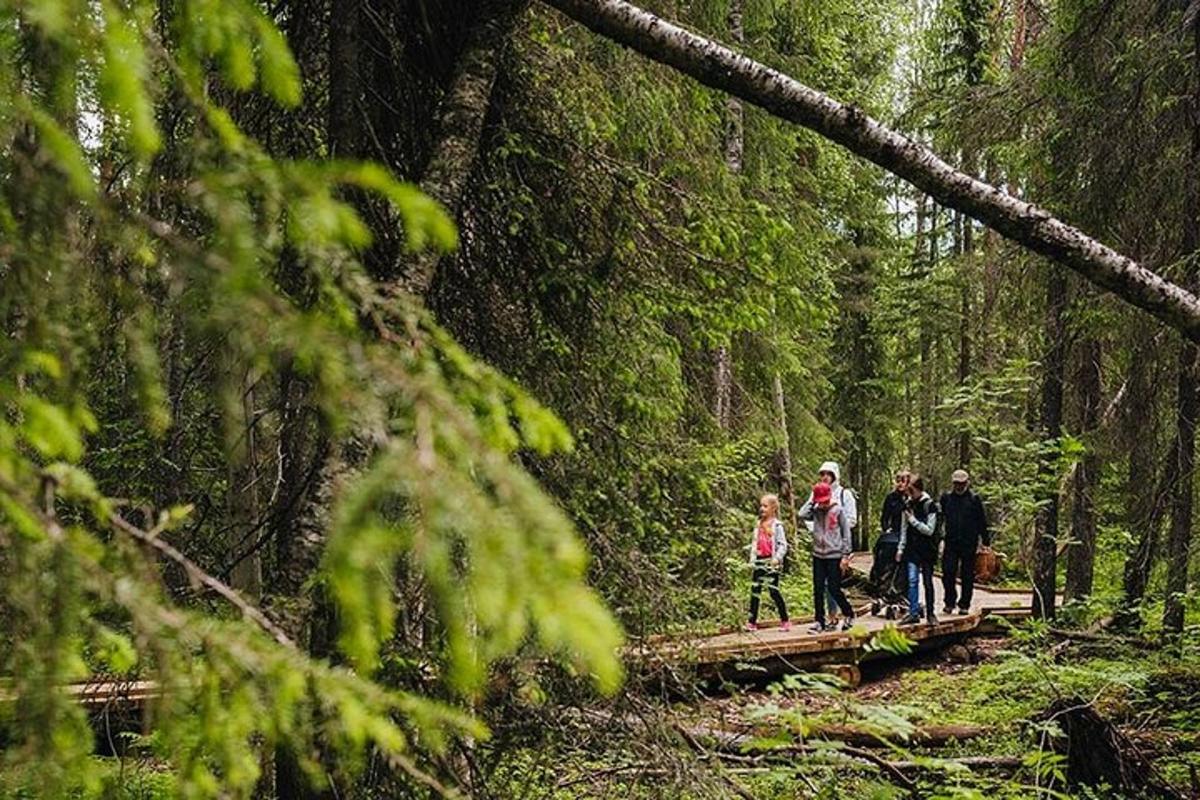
x=785 y=626
x=750 y=626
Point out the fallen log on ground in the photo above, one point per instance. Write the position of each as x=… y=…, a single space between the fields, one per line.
x=921 y=736
x=856 y=735
x=1104 y=638
x=898 y=772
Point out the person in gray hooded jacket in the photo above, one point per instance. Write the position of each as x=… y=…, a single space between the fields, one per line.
x=831 y=473
x=831 y=547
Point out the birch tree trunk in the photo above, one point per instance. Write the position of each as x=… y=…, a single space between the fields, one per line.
x=721 y=68
x=734 y=146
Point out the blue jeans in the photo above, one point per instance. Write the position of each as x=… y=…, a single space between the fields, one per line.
x=923 y=572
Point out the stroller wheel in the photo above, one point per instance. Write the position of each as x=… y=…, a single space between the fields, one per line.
x=891 y=613
x=876 y=607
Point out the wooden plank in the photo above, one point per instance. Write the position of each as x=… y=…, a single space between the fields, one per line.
x=801 y=649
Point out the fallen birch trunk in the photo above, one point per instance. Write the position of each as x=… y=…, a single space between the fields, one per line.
x=721 y=68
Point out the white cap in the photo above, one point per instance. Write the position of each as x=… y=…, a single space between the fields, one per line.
x=959 y=476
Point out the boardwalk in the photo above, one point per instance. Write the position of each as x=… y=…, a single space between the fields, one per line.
x=732 y=655
x=747 y=655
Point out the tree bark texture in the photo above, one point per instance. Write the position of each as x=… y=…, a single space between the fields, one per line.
x=734 y=146
x=1182 y=504
x=1081 y=555
x=964 y=362
x=786 y=486
x=1045 y=547
x=723 y=69
x=1179 y=545
x=722 y=386
x=345 y=85
x=459 y=121
x=243 y=505
x=1143 y=514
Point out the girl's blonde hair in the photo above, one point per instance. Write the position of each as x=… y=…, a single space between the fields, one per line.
x=772 y=502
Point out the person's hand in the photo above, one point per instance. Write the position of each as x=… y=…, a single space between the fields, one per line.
x=897 y=556
x=774 y=563
x=845 y=563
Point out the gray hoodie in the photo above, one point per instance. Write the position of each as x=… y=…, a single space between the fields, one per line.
x=831 y=530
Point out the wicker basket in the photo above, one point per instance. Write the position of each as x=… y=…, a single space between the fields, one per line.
x=988 y=564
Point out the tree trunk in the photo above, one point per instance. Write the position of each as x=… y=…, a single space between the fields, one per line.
x=1180 y=542
x=1180 y=536
x=964 y=333
x=1081 y=556
x=1142 y=514
x=735 y=114
x=1020 y=31
x=734 y=147
x=929 y=371
x=459 y=121
x=244 y=508
x=722 y=386
x=1024 y=223
x=786 y=486
x=344 y=124
x=1045 y=548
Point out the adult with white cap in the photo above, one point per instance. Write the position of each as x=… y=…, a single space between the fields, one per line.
x=966 y=527
x=830 y=473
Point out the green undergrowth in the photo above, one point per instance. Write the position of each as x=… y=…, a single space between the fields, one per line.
x=1154 y=695
x=115 y=779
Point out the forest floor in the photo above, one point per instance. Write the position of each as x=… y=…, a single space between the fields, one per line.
x=790 y=740
x=965 y=722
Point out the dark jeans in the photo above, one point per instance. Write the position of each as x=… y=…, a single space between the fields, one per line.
x=770 y=577
x=957 y=561
x=923 y=570
x=827 y=577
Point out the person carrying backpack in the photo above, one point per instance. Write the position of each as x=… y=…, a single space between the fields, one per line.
x=830 y=473
x=768 y=549
x=966 y=527
x=830 y=549
x=918 y=549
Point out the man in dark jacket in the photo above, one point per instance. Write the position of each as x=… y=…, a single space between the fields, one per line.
x=965 y=528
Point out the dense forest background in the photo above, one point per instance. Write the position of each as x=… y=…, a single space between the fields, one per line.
x=456 y=340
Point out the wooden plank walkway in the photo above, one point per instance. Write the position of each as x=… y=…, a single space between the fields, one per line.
x=734 y=655
x=745 y=655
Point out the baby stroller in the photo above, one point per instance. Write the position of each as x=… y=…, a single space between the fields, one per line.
x=887 y=584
